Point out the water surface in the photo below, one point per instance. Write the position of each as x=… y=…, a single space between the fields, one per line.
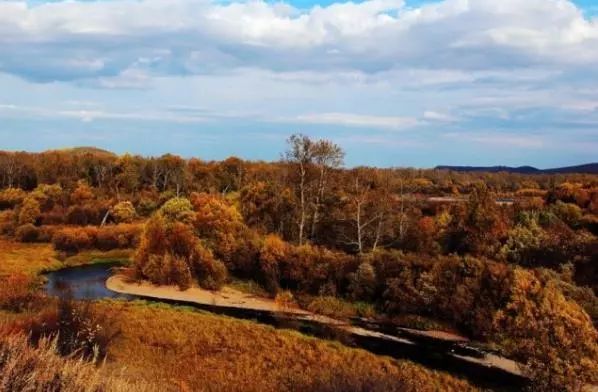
x=83 y=282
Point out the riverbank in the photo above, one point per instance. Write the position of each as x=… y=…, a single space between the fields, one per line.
x=229 y=297
x=234 y=299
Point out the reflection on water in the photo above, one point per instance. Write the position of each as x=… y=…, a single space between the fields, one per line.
x=85 y=282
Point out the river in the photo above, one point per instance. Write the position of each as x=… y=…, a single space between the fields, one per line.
x=89 y=283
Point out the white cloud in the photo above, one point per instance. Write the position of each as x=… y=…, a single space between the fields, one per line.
x=357 y=120
x=89 y=115
x=431 y=115
x=81 y=39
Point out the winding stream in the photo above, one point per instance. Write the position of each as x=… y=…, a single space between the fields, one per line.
x=89 y=283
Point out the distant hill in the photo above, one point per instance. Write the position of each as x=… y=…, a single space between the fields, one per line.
x=590 y=168
x=85 y=150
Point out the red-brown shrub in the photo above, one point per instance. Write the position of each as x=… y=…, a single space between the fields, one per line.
x=74 y=239
x=27 y=233
x=118 y=236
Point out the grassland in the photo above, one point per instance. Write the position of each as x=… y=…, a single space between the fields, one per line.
x=30 y=259
x=181 y=349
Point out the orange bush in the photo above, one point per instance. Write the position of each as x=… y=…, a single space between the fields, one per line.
x=74 y=239
x=120 y=236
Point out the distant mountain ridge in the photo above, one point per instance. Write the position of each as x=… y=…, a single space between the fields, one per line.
x=589 y=168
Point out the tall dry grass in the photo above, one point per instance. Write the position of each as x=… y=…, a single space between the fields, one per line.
x=187 y=350
x=25 y=368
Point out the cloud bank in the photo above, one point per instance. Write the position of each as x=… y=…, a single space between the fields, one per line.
x=523 y=74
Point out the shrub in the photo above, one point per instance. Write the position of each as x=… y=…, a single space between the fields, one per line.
x=177 y=209
x=26 y=368
x=212 y=274
x=568 y=212
x=124 y=212
x=56 y=216
x=221 y=225
x=332 y=307
x=29 y=212
x=8 y=222
x=82 y=193
x=18 y=293
x=11 y=197
x=27 y=233
x=363 y=282
x=47 y=195
x=45 y=233
x=167 y=270
x=120 y=236
x=147 y=206
x=73 y=239
x=80 y=329
x=285 y=300
x=84 y=215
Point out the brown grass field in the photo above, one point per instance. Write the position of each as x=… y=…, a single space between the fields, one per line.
x=181 y=349
x=30 y=259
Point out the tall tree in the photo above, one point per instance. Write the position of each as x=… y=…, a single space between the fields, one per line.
x=300 y=152
x=326 y=155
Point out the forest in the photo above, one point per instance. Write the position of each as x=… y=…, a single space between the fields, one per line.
x=507 y=260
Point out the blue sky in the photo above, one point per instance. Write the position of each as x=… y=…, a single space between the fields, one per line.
x=416 y=83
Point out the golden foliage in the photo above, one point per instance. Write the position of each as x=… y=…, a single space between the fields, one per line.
x=554 y=337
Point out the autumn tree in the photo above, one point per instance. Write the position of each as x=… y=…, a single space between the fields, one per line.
x=553 y=337
x=300 y=153
x=124 y=212
x=29 y=212
x=272 y=253
x=479 y=226
x=170 y=251
x=221 y=226
x=326 y=156
x=82 y=194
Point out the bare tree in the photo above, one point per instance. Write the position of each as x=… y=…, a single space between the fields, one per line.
x=363 y=215
x=11 y=168
x=301 y=152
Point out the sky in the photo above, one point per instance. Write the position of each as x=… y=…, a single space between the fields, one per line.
x=395 y=83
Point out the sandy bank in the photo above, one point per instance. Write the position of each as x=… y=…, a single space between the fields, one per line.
x=227 y=297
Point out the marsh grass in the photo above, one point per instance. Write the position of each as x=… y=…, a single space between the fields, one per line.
x=29 y=259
